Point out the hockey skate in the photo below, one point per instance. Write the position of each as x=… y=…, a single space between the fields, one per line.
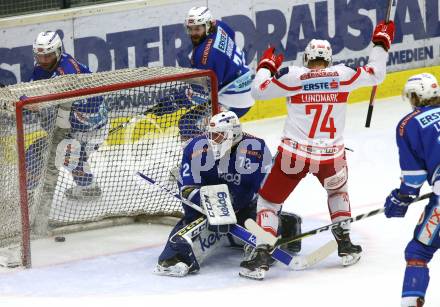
x=257 y=264
x=249 y=249
x=84 y=193
x=349 y=253
x=174 y=267
x=413 y=301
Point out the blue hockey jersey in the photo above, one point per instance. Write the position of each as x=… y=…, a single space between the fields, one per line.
x=219 y=53
x=66 y=66
x=418 y=140
x=243 y=172
x=86 y=114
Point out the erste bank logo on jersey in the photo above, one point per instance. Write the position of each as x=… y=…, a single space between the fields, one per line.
x=321 y=84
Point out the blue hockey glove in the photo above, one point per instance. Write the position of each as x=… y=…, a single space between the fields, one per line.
x=396 y=205
x=222 y=229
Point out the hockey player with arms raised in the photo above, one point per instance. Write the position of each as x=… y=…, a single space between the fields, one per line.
x=80 y=127
x=418 y=140
x=224 y=155
x=312 y=140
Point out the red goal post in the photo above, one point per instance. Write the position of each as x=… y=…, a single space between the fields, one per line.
x=150 y=111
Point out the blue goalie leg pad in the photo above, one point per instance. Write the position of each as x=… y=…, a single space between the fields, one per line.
x=178 y=248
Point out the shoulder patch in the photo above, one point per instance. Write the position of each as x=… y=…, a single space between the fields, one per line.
x=206 y=51
x=282 y=72
x=75 y=65
x=405 y=121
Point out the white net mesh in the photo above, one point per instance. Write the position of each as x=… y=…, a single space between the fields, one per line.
x=82 y=153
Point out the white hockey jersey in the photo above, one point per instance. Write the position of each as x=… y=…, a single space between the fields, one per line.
x=317 y=103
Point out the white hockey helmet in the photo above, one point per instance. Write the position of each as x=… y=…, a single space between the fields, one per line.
x=224 y=131
x=424 y=86
x=318 y=49
x=48 y=42
x=199 y=15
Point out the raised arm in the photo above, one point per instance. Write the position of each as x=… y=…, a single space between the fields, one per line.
x=270 y=82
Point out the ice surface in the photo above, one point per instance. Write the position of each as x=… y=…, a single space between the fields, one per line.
x=112 y=267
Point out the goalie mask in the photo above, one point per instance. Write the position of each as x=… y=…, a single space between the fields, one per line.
x=47 y=49
x=318 y=49
x=224 y=131
x=421 y=90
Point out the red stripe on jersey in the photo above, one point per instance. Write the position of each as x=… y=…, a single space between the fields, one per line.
x=320 y=98
x=307 y=159
x=340 y=214
x=355 y=76
x=285 y=87
x=264 y=85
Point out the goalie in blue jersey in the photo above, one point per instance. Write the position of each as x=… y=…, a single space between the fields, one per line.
x=79 y=127
x=224 y=155
x=418 y=140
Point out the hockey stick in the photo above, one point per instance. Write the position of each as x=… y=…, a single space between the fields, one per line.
x=254 y=228
x=294 y=262
x=131 y=121
x=196 y=102
x=374 y=89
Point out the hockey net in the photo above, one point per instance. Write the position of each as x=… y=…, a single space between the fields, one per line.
x=150 y=111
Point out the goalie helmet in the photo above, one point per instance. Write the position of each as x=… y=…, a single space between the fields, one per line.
x=199 y=15
x=224 y=131
x=318 y=49
x=48 y=42
x=423 y=86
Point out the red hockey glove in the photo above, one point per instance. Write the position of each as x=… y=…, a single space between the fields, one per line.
x=270 y=61
x=384 y=34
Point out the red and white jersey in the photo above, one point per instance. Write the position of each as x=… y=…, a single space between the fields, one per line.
x=317 y=103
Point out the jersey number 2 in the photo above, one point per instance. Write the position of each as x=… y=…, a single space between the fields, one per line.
x=328 y=123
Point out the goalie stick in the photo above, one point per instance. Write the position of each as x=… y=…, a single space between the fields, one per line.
x=294 y=262
x=254 y=228
x=374 y=89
